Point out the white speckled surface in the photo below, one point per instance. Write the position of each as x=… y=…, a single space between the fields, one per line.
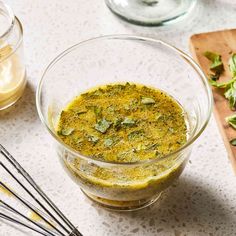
x=202 y=202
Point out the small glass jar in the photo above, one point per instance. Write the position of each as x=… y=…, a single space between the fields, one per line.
x=12 y=68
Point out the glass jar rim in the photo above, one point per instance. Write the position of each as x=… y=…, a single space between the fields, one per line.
x=186 y=57
x=13 y=21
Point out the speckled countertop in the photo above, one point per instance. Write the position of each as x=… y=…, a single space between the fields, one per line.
x=202 y=202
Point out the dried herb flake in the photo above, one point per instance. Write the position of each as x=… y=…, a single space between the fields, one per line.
x=231 y=120
x=66 y=131
x=128 y=122
x=102 y=125
x=93 y=139
x=147 y=101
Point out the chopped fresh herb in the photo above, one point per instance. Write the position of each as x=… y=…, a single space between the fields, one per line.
x=217 y=64
x=151 y=146
x=97 y=111
x=229 y=86
x=98 y=92
x=111 y=109
x=230 y=94
x=123 y=155
x=133 y=105
x=93 y=139
x=171 y=130
x=146 y=100
x=108 y=142
x=81 y=112
x=136 y=134
x=230 y=90
x=79 y=140
x=232 y=65
x=98 y=156
x=222 y=84
x=158 y=116
x=117 y=123
x=103 y=125
x=128 y=122
x=231 y=120
x=140 y=147
x=66 y=131
x=233 y=142
x=179 y=142
x=127 y=107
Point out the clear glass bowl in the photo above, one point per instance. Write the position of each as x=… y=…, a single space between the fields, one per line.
x=152 y=12
x=118 y=59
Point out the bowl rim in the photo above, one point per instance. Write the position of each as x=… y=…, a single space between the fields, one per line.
x=185 y=56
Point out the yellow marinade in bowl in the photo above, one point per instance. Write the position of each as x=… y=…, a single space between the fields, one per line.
x=124 y=123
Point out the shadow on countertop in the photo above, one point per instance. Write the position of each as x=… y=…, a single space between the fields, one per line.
x=26 y=104
x=186 y=208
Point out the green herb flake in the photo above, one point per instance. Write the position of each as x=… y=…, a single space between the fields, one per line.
x=127 y=107
x=133 y=105
x=171 y=130
x=79 y=140
x=232 y=65
x=217 y=64
x=102 y=125
x=136 y=134
x=111 y=109
x=108 y=142
x=152 y=146
x=66 y=131
x=158 y=116
x=81 y=112
x=230 y=94
x=93 y=139
x=128 y=122
x=231 y=120
x=140 y=147
x=230 y=90
x=97 y=111
x=147 y=101
x=222 y=84
x=117 y=123
x=233 y=142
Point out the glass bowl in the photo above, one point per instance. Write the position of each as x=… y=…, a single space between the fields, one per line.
x=118 y=59
x=152 y=12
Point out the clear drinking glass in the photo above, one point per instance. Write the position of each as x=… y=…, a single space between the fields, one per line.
x=118 y=59
x=12 y=68
x=151 y=12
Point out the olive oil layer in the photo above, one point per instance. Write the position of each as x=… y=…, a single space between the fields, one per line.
x=123 y=123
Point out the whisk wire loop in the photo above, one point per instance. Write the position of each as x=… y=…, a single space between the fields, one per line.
x=55 y=222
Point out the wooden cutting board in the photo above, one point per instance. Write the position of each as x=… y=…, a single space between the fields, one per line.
x=224 y=43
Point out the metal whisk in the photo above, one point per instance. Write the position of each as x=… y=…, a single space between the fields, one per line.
x=43 y=216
